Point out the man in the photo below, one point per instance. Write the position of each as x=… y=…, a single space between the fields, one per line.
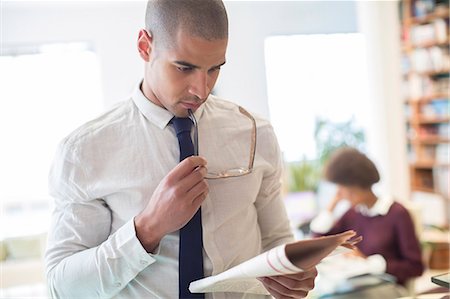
x=123 y=198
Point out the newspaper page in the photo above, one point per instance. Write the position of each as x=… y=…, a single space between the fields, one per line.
x=284 y=259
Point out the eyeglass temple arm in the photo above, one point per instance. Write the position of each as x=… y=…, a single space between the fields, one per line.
x=253 y=147
x=194 y=121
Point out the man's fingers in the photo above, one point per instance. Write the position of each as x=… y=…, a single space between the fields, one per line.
x=191 y=188
x=199 y=199
x=194 y=183
x=198 y=189
x=309 y=273
x=278 y=290
x=305 y=284
x=295 y=285
x=184 y=168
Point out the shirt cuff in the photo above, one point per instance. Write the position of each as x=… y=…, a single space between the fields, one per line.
x=322 y=223
x=131 y=247
x=377 y=264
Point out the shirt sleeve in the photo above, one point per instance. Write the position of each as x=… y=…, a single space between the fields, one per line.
x=377 y=264
x=409 y=264
x=82 y=259
x=272 y=217
x=322 y=223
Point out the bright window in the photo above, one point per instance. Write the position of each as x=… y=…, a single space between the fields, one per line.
x=46 y=92
x=311 y=76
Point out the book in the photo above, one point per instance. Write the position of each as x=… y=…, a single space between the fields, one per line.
x=284 y=259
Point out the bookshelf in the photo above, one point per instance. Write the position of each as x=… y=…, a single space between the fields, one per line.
x=426 y=66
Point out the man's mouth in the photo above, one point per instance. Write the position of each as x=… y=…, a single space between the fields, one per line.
x=190 y=105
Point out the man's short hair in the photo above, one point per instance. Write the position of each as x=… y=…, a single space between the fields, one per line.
x=349 y=167
x=206 y=19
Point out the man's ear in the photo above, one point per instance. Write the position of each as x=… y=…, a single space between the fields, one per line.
x=144 y=44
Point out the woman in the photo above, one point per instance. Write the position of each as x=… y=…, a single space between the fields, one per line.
x=389 y=240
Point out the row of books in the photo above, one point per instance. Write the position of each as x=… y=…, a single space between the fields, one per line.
x=438 y=108
x=441 y=177
x=422 y=8
x=418 y=86
x=433 y=32
x=439 y=154
x=432 y=206
x=432 y=59
x=429 y=131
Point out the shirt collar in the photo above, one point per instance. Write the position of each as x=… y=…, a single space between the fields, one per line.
x=381 y=207
x=157 y=115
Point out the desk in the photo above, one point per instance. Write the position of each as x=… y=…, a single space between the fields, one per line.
x=428 y=296
x=442 y=280
x=368 y=287
x=423 y=283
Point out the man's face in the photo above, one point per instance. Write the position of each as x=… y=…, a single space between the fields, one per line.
x=181 y=76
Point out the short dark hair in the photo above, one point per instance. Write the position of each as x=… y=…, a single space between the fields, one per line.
x=349 y=167
x=206 y=19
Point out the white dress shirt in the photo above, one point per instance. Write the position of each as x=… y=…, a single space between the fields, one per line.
x=105 y=172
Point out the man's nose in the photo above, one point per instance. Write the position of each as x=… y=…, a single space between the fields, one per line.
x=199 y=85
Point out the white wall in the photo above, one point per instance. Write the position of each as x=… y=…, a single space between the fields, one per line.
x=112 y=28
x=386 y=140
x=243 y=78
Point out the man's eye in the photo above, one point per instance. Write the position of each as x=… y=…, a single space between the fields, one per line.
x=214 y=69
x=184 y=69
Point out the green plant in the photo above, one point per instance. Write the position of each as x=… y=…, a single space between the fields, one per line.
x=333 y=135
x=305 y=175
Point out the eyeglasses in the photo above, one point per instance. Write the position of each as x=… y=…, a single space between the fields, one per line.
x=233 y=172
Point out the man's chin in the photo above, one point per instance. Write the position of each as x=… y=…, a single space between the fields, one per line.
x=182 y=110
x=181 y=113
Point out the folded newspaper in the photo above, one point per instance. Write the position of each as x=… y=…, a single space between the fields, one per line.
x=285 y=259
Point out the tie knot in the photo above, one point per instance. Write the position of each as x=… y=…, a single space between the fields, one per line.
x=182 y=124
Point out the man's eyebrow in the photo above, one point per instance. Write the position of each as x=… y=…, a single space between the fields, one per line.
x=187 y=64
x=219 y=65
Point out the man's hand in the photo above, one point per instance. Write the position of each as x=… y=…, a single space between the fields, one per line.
x=290 y=286
x=173 y=203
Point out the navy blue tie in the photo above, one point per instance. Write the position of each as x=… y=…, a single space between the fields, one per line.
x=191 y=242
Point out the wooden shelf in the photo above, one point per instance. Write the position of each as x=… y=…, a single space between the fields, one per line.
x=424 y=143
x=421 y=120
x=428 y=164
x=429 y=73
x=409 y=47
x=422 y=189
x=429 y=140
x=438 y=14
x=428 y=98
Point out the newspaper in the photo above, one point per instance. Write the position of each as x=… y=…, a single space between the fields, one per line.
x=285 y=259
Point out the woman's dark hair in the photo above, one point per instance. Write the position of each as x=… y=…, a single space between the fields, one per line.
x=349 y=167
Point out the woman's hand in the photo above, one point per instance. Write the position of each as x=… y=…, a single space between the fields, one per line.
x=336 y=199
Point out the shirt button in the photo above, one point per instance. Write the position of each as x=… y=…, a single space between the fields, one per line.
x=117 y=284
x=144 y=262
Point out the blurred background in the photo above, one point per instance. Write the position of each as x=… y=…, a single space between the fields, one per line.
x=368 y=74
